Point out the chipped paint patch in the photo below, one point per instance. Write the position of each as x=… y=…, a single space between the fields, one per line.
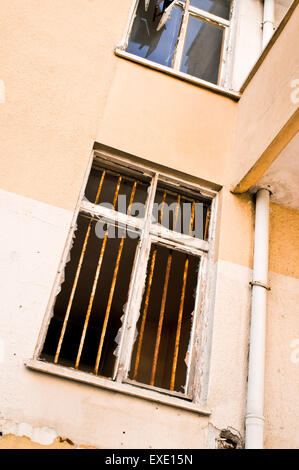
x=41 y=435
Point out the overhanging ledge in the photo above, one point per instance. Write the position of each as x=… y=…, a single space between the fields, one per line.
x=90 y=379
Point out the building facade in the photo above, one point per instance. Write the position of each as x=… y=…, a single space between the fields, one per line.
x=161 y=339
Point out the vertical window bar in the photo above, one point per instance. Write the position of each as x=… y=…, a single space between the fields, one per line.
x=95 y=282
x=161 y=318
x=179 y=325
x=111 y=293
x=148 y=290
x=123 y=361
x=181 y=37
x=221 y=73
x=162 y=208
x=77 y=274
x=192 y=217
x=208 y=216
x=177 y=212
x=180 y=316
x=144 y=314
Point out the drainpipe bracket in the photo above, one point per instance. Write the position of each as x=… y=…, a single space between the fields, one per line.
x=254 y=416
x=260 y=284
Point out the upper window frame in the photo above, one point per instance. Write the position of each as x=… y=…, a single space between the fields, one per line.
x=225 y=66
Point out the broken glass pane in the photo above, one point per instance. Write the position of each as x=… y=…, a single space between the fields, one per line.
x=202 y=51
x=216 y=7
x=145 y=41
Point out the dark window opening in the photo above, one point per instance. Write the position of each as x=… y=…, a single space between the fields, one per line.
x=74 y=329
x=160 y=351
x=116 y=184
x=188 y=214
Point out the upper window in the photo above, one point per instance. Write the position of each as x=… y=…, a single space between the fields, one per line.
x=189 y=36
x=132 y=291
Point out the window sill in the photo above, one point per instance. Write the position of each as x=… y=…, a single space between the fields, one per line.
x=131 y=390
x=176 y=73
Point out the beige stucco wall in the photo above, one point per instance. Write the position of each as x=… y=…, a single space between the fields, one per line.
x=57 y=65
x=168 y=121
x=267 y=116
x=282 y=357
x=65 y=89
x=284 y=240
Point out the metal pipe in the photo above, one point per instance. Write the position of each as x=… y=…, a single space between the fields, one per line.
x=256 y=366
x=268 y=21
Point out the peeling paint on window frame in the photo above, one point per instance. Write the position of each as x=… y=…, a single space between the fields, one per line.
x=197 y=370
x=225 y=66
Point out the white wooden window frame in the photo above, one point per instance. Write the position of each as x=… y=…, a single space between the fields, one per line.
x=150 y=233
x=224 y=75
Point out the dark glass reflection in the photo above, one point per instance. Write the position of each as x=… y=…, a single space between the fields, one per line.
x=145 y=41
x=202 y=51
x=216 y=7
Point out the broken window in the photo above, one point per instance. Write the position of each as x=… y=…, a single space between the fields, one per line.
x=129 y=302
x=186 y=35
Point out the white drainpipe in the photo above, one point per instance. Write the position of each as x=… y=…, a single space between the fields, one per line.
x=256 y=366
x=268 y=21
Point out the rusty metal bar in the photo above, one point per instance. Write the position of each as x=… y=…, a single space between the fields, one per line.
x=161 y=318
x=111 y=293
x=116 y=192
x=192 y=218
x=66 y=317
x=181 y=308
x=132 y=198
x=162 y=208
x=144 y=314
x=179 y=325
x=208 y=216
x=95 y=282
x=177 y=212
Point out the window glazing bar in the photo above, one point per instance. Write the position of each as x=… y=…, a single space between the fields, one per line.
x=208 y=16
